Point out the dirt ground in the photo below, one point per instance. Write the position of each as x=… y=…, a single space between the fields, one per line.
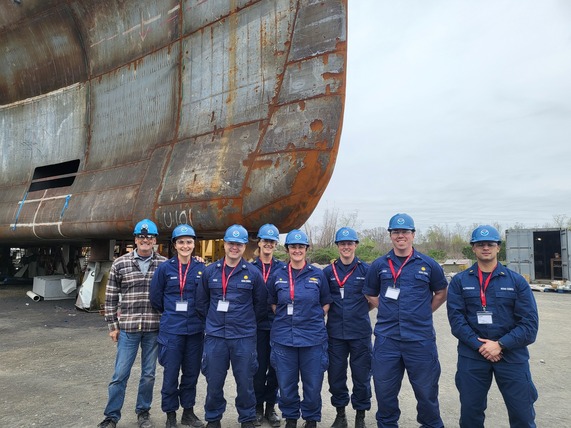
x=56 y=362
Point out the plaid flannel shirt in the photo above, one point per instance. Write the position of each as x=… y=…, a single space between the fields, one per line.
x=133 y=312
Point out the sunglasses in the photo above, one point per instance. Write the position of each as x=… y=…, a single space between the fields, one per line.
x=149 y=237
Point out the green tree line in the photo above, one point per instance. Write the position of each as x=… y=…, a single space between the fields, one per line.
x=439 y=242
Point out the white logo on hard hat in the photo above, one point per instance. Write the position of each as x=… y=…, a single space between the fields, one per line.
x=345 y=232
x=183 y=229
x=270 y=232
x=485 y=232
x=236 y=233
x=400 y=220
x=144 y=226
x=297 y=236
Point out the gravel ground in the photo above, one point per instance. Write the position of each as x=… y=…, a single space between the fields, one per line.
x=56 y=362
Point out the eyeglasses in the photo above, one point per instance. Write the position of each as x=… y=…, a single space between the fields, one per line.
x=142 y=237
x=268 y=241
x=346 y=244
x=397 y=232
x=485 y=244
x=184 y=242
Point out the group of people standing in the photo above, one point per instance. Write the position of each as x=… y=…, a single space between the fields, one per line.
x=276 y=323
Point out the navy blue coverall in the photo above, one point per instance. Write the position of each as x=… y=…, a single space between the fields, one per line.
x=515 y=322
x=405 y=336
x=181 y=333
x=349 y=330
x=299 y=339
x=231 y=335
x=265 y=380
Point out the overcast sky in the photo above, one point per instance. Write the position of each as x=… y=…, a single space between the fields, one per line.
x=456 y=112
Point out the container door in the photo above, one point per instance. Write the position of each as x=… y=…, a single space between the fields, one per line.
x=565 y=262
x=519 y=252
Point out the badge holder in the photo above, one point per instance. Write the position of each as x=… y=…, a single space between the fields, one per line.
x=223 y=306
x=181 y=306
x=392 y=293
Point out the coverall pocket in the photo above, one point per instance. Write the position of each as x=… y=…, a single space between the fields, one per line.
x=163 y=350
x=324 y=358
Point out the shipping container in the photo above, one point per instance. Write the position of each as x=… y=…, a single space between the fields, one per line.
x=539 y=254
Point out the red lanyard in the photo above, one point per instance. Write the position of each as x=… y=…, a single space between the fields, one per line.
x=225 y=280
x=264 y=274
x=484 y=285
x=291 y=279
x=342 y=282
x=182 y=279
x=396 y=275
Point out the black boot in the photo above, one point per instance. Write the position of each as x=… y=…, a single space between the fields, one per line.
x=360 y=419
x=291 y=423
x=341 y=419
x=171 y=420
x=310 y=424
x=189 y=418
x=259 y=414
x=272 y=416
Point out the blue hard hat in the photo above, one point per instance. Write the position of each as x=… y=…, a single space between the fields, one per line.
x=401 y=221
x=346 y=234
x=146 y=227
x=183 y=230
x=236 y=233
x=270 y=232
x=486 y=233
x=297 y=236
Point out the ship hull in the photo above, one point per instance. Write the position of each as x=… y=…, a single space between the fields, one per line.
x=201 y=112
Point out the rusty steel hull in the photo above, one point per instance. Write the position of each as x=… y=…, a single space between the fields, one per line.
x=204 y=112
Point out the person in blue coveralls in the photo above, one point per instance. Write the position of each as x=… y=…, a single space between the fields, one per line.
x=493 y=314
x=300 y=297
x=349 y=330
x=181 y=332
x=265 y=381
x=232 y=297
x=407 y=287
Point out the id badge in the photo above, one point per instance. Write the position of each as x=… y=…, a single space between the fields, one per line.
x=290 y=308
x=392 y=293
x=484 y=317
x=181 y=306
x=223 y=306
x=342 y=291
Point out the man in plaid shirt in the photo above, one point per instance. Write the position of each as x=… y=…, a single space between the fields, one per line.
x=132 y=323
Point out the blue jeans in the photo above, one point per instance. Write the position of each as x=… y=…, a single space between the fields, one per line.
x=127 y=348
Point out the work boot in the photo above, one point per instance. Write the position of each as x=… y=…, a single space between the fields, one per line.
x=189 y=418
x=213 y=424
x=143 y=420
x=272 y=416
x=248 y=424
x=259 y=414
x=171 y=420
x=107 y=423
x=310 y=424
x=360 y=419
x=341 y=419
x=291 y=423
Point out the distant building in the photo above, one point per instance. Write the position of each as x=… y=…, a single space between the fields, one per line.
x=456 y=265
